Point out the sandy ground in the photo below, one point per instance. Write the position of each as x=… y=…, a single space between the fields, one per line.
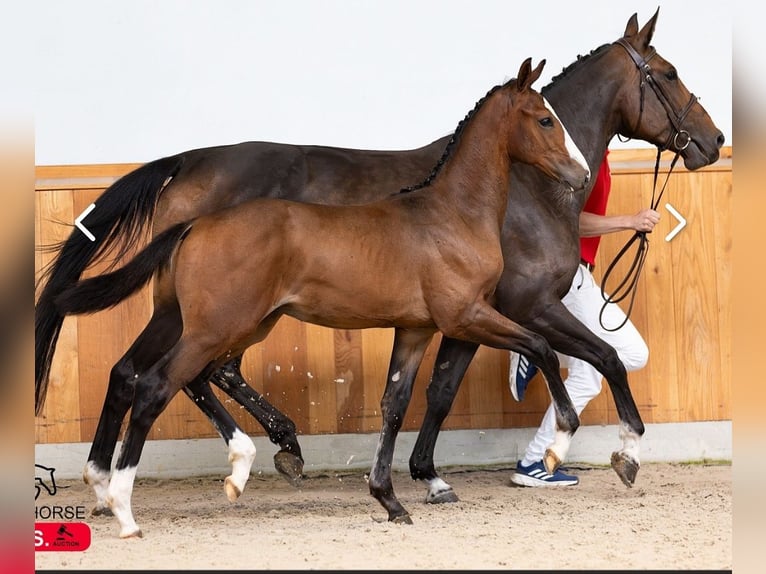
x=675 y=517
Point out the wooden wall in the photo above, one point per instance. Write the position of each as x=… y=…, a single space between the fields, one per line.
x=331 y=381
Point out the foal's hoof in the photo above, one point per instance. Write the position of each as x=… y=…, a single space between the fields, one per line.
x=101 y=511
x=232 y=490
x=403 y=519
x=625 y=467
x=132 y=534
x=551 y=461
x=441 y=497
x=289 y=466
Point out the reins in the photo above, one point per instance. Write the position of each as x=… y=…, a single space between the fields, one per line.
x=628 y=286
x=678 y=140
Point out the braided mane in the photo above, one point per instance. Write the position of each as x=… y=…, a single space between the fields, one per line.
x=458 y=131
x=577 y=62
x=453 y=140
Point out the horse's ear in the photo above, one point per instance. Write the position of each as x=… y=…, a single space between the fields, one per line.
x=646 y=33
x=631 y=29
x=522 y=81
x=527 y=75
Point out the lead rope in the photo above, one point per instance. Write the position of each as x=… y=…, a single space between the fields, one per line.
x=630 y=282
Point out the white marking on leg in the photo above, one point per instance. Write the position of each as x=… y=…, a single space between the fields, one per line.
x=574 y=151
x=630 y=442
x=98 y=480
x=396 y=376
x=561 y=444
x=120 y=491
x=241 y=457
x=436 y=487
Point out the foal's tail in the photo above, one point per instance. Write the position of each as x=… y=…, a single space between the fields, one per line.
x=107 y=290
x=119 y=221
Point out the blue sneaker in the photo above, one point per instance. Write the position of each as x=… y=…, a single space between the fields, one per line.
x=520 y=373
x=536 y=475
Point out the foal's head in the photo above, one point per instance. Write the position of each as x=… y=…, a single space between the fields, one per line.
x=537 y=137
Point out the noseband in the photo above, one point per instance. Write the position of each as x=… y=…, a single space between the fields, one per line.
x=678 y=141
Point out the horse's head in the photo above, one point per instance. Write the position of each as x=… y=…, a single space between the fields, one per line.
x=538 y=137
x=658 y=106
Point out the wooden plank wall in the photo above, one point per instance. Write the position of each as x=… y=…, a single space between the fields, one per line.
x=331 y=381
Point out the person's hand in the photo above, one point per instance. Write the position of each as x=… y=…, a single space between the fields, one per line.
x=645 y=220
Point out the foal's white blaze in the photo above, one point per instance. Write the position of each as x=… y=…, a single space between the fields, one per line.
x=120 y=490
x=98 y=480
x=574 y=151
x=630 y=442
x=241 y=457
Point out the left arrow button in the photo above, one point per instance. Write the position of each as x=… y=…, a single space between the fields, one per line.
x=78 y=222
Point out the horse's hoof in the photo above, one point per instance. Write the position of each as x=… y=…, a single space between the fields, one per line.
x=442 y=497
x=289 y=466
x=101 y=511
x=132 y=534
x=231 y=490
x=625 y=467
x=551 y=461
x=403 y=519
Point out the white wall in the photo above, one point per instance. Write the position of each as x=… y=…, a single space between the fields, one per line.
x=133 y=81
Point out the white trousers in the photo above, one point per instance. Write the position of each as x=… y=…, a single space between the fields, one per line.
x=583 y=381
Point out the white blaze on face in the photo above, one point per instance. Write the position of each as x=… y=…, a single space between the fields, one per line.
x=574 y=151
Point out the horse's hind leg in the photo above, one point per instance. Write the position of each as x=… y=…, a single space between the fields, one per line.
x=281 y=430
x=452 y=361
x=241 y=447
x=185 y=362
x=156 y=338
x=409 y=348
x=119 y=396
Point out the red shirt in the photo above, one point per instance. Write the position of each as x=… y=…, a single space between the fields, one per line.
x=596 y=203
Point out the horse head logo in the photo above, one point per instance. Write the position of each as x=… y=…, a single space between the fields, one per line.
x=44 y=479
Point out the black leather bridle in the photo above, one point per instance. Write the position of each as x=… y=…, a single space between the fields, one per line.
x=678 y=140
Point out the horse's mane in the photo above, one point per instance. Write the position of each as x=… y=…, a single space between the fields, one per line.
x=577 y=62
x=453 y=140
x=456 y=135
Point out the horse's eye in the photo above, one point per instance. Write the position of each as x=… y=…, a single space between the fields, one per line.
x=546 y=122
x=671 y=75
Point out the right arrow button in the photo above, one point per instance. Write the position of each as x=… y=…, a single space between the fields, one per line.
x=677 y=228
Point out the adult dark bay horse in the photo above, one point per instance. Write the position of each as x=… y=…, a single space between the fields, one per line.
x=421 y=261
x=622 y=88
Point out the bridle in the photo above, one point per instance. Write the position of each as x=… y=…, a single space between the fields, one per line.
x=678 y=140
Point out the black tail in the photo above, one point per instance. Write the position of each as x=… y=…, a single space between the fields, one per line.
x=121 y=217
x=107 y=290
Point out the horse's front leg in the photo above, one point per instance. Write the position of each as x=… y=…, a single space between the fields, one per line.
x=612 y=354
x=281 y=429
x=487 y=326
x=409 y=348
x=452 y=361
x=241 y=447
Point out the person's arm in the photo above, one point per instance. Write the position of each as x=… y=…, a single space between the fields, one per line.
x=592 y=225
